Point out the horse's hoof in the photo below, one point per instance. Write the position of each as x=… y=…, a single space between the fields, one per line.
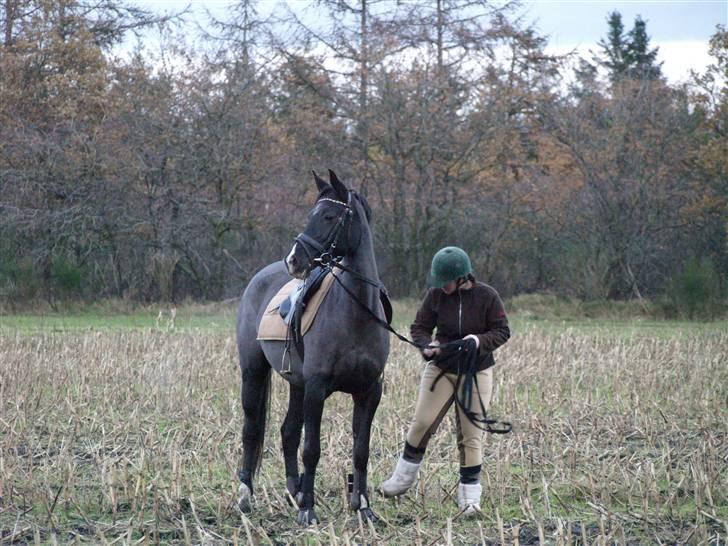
x=306 y=516
x=368 y=514
x=245 y=498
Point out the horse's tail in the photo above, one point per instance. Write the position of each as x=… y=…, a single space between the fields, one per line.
x=263 y=409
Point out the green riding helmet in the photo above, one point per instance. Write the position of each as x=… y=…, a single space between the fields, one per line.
x=450 y=263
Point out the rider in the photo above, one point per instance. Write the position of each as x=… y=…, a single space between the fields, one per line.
x=459 y=307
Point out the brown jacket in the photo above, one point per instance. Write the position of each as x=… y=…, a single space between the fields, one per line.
x=476 y=311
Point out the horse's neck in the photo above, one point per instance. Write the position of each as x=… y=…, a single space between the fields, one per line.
x=364 y=263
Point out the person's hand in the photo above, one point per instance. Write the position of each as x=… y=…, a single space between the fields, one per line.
x=474 y=337
x=431 y=350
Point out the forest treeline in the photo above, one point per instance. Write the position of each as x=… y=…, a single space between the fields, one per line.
x=181 y=169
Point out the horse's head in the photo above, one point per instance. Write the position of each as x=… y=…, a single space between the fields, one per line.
x=334 y=228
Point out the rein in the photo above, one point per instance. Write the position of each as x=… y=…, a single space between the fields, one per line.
x=464 y=354
x=461 y=353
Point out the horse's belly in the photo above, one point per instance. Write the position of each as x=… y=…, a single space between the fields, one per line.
x=359 y=377
x=286 y=363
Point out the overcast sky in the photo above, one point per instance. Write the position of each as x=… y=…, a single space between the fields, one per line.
x=680 y=28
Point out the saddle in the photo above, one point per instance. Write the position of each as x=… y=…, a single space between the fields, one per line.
x=294 y=307
x=291 y=312
x=291 y=308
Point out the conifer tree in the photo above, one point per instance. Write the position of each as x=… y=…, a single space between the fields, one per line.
x=628 y=55
x=615 y=48
x=640 y=58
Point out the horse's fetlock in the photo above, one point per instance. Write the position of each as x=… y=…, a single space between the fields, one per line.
x=245 y=498
x=246 y=477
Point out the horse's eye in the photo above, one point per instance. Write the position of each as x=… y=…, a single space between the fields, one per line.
x=329 y=217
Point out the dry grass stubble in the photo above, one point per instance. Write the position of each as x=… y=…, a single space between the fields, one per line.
x=123 y=436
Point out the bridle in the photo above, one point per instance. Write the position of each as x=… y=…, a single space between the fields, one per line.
x=322 y=254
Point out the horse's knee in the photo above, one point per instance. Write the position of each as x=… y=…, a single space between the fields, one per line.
x=311 y=453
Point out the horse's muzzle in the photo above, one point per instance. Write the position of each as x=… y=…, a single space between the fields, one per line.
x=294 y=264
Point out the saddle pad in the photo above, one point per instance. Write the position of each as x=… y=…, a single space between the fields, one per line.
x=272 y=327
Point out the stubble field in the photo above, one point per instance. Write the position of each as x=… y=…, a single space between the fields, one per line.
x=118 y=433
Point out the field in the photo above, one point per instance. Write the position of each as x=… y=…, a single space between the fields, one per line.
x=125 y=429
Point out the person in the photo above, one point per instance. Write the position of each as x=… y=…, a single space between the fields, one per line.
x=457 y=307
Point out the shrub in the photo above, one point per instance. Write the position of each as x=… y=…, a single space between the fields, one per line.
x=695 y=292
x=66 y=277
x=17 y=280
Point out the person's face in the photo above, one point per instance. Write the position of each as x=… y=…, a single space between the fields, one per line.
x=450 y=287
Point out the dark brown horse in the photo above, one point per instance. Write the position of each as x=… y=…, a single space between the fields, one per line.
x=344 y=350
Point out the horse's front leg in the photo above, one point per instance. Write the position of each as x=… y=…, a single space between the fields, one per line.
x=317 y=389
x=365 y=406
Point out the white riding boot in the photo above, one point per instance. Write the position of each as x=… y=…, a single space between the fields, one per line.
x=402 y=479
x=469 y=498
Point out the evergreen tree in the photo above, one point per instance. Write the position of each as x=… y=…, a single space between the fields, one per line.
x=640 y=58
x=615 y=48
x=628 y=55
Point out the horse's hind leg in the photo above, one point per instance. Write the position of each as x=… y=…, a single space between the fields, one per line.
x=365 y=405
x=291 y=438
x=255 y=391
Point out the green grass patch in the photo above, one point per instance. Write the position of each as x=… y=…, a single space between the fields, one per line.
x=184 y=319
x=221 y=318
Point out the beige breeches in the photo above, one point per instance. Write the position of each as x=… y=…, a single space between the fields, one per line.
x=432 y=405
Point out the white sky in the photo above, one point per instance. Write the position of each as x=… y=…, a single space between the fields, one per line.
x=680 y=28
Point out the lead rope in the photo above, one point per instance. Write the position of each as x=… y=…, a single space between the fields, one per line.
x=461 y=352
x=464 y=354
x=384 y=324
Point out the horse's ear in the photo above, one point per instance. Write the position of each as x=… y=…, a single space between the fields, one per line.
x=321 y=184
x=341 y=190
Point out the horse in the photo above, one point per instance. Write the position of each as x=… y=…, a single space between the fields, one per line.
x=343 y=351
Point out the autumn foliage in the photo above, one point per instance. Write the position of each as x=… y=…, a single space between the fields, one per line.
x=179 y=174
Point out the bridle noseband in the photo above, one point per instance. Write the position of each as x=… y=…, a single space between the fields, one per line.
x=323 y=254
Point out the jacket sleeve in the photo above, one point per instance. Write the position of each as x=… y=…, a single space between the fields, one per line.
x=425 y=321
x=497 y=329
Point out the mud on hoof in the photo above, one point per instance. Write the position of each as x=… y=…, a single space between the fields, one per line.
x=307 y=516
x=245 y=498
